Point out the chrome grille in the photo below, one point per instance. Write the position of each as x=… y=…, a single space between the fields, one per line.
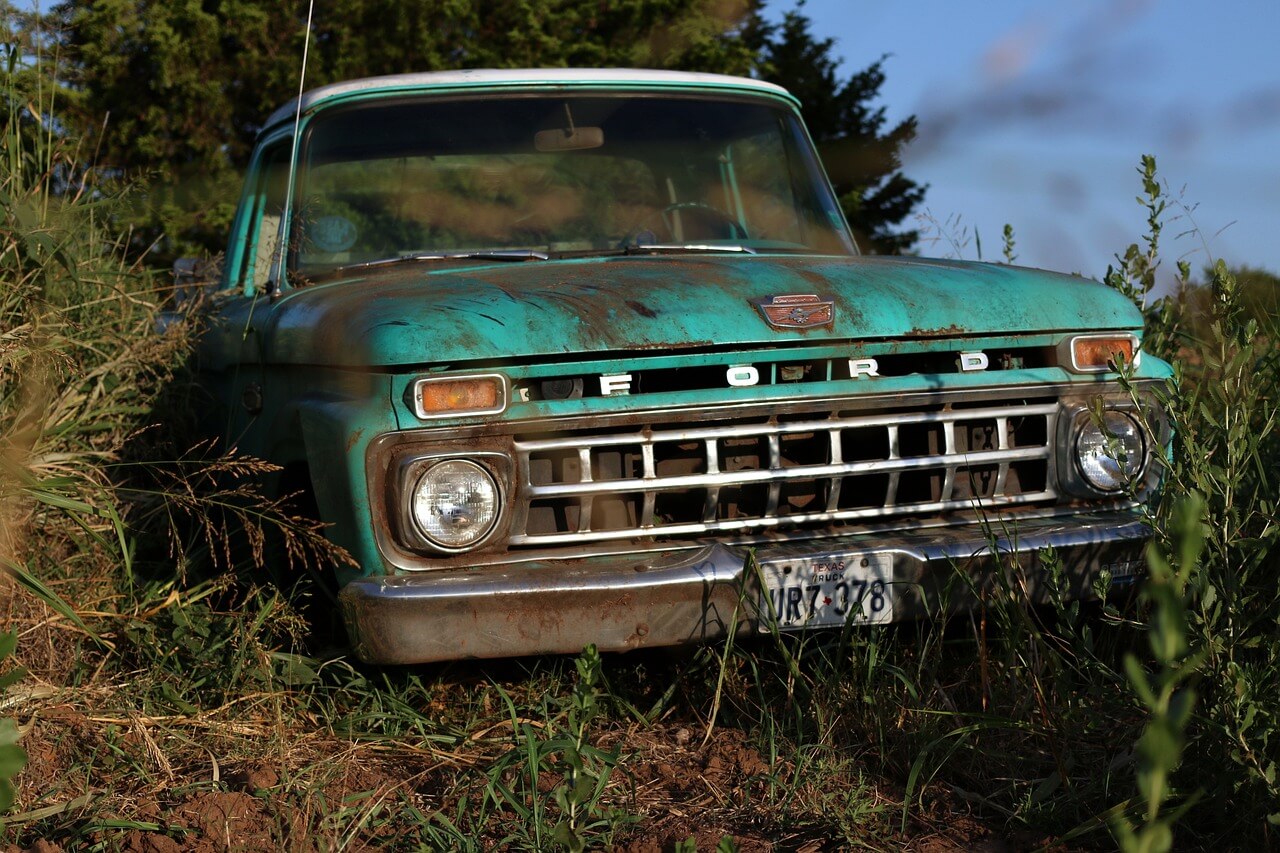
x=673 y=480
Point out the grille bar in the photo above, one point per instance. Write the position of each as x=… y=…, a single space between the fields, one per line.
x=687 y=480
x=776 y=475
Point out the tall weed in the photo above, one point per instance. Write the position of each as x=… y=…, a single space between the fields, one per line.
x=95 y=495
x=1224 y=403
x=1225 y=408
x=558 y=774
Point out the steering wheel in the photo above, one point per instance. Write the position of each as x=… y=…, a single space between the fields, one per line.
x=706 y=221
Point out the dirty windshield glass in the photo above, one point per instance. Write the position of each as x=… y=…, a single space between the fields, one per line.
x=558 y=175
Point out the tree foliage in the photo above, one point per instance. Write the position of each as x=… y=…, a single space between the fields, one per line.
x=174 y=90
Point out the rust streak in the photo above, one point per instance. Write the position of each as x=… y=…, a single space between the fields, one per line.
x=941 y=332
x=641 y=309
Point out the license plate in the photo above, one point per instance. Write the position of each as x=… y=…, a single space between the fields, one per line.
x=825 y=591
x=1124 y=572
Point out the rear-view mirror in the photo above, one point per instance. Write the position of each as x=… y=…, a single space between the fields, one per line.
x=569 y=138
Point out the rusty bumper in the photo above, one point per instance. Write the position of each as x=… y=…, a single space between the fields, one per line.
x=682 y=596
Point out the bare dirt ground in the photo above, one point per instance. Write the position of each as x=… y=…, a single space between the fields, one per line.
x=332 y=794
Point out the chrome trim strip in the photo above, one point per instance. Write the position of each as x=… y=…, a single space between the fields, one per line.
x=889 y=525
x=1090 y=386
x=777 y=473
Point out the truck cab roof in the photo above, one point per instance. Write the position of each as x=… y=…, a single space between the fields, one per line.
x=521 y=78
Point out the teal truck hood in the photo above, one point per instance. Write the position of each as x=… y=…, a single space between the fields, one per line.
x=423 y=312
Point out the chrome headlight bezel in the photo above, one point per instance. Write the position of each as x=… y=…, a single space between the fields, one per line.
x=414 y=469
x=1152 y=430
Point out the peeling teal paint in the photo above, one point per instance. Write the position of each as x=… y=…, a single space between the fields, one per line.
x=418 y=313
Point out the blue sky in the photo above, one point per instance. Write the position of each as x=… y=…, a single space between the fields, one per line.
x=1036 y=114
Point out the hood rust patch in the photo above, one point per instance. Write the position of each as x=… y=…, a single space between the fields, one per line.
x=941 y=332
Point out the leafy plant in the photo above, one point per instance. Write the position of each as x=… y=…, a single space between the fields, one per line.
x=586 y=769
x=1135 y=272
x=1008 y=244
x=1167 y=695
x=561 y=749
x=1224 y=404
x=12 y=756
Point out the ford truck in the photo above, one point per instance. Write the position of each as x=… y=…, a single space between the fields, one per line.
x=591 y=356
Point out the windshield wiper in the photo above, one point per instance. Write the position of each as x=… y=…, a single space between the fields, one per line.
x=692 y=248
x=488 y=255
x=660 y=249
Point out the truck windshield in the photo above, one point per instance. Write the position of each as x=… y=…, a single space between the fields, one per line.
x=561 y=175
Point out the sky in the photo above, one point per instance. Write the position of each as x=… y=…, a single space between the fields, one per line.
x=1037 y=113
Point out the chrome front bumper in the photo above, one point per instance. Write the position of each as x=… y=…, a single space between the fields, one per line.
x=664 y=598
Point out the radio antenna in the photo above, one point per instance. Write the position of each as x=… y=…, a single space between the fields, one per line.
x=278 y=261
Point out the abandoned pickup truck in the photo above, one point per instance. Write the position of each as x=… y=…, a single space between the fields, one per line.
x=571 y=357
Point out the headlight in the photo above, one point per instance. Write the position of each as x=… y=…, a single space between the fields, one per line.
x=1110 y=454
x=455 y=503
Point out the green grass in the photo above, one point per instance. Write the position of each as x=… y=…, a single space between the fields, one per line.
x=162 y=689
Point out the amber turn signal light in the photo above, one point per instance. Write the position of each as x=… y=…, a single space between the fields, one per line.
x=460 y=395
x=1101 y=353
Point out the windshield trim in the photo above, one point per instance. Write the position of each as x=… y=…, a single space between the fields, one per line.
x=504 y=82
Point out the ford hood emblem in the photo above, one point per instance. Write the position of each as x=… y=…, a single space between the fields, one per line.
x=797 y=310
